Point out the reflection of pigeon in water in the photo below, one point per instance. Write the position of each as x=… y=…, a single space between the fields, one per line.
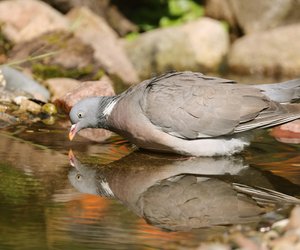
x=87 y=179
x=206 y=202
x=185 y=193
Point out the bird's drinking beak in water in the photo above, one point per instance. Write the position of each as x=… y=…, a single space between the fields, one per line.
x=73 y=131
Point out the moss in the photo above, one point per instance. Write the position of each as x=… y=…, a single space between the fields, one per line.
x=98 y=75
x=5 y=45
x=50 y=71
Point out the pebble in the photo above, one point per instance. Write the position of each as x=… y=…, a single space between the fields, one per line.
x=30 y=106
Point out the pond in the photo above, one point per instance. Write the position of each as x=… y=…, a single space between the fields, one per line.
x=57 y=194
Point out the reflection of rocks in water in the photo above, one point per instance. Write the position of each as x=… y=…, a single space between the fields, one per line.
x=183 y=193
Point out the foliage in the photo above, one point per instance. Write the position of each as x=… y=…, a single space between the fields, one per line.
x=151 y=14
x=181 y=11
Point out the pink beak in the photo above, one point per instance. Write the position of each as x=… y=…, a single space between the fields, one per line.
x=72 y=158
x=73 y=131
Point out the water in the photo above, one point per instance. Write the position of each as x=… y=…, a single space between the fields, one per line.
x=105 y=196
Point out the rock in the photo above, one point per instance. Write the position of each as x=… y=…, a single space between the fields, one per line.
x=30 y=106
x=97 y=135
x=92 y=88
x=199 y=45
x=94 y=30
x=287 y=133
x=256 y=15
x=25 y=20
x=14 y=80
x=103 y=8
x=60 y=86
x=278 y=52
x=3 y=108
x=49 y=109
x=294 y=222
x=7 y=120
x=222 y=10
x=119 y=22
x=57 y=54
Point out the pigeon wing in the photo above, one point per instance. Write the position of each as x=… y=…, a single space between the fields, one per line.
x=191 y=105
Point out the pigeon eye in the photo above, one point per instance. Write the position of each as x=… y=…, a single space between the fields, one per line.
x=78 y=177
x=80 y=115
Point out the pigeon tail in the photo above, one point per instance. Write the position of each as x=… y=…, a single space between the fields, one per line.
x=283 y=92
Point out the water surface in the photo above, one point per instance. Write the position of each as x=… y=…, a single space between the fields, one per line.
x=109 y=196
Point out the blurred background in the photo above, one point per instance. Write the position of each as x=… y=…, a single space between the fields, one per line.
x=136 y=39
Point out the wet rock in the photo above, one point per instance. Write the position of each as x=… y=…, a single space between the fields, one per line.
x=60 y=86
x=94 y=30
x=30 y=106
x=199 y=45
x=278 y=52
x=3 y=108
x=96 y=135
x=92 y=134
x=24 y=20
x=287 y=133
x=14 y=81
x=7 y=120
x=57 y=54
x=92 y=88
x=255 y=16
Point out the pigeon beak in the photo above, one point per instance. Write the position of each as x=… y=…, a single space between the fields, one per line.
x=73 y=131
x=71 y=158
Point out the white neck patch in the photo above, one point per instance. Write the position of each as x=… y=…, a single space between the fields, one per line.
x=109 y=108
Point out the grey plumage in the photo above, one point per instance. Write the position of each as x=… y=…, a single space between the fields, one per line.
x=193 y=114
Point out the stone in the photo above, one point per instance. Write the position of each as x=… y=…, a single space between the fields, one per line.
x=103 y=8
x=60 y=86
x=25 y=20
x=30 y=106
x=256 y=15
x=103 y=87
x=49 y=108
x=199 y=45
x=288 y=132
x=294 y=221
x=222 y=10
x=94 y=31
x=7 y=120
x=92 y=134
x=57 y=54
x=278 y=52
x=14 y=80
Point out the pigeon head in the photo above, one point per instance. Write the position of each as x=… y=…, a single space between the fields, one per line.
x=90 y=112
